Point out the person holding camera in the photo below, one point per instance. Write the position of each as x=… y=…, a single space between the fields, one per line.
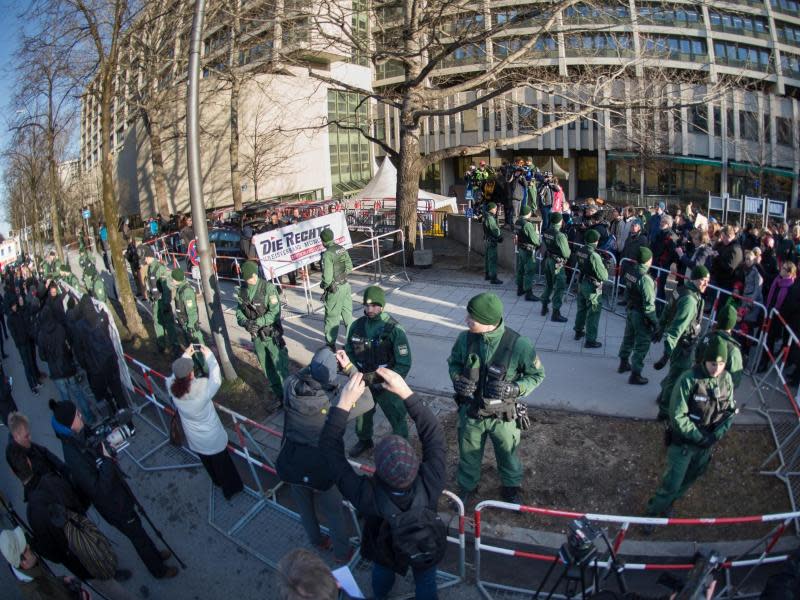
x=402 y=528
x=492 y=368
x=491 y=237
x=97 y=476
x=193 y=398
x=377 y=340
x=309 y=395
x=337 y=296
x=555 y=277
x=259 y=312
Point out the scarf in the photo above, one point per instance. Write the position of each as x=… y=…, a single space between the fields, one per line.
x=781 y=285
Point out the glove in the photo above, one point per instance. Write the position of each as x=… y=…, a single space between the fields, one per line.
x=708 y=440
x=505 y=390
x=464 y=387
x=661 y=363
x=523 y=421
x=252 y=327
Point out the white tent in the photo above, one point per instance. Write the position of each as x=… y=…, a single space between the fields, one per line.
x=383 y=187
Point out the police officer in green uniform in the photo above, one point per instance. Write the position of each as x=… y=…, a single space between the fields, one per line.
x=160 y=295
x=84 y=259
x=51 y=266
x=186 y=313
x=681 y=324
x=555 y=278
x=94 y=284
x=491 y=237
x=65 y=274
x=701 y=410
x=336 y=265
x=641 y=322
x=528 y=242
x=377 y=340
x=726 y=321
x=492 y=368
x=590 y=294
x=259 y=312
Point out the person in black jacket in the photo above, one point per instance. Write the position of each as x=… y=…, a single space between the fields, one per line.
x=7 y=404
x=726 y=262
x=19 y=326
x=54 y=349
x=96 y=476
x=41 y=460
x=307 y=399
x=399 y=475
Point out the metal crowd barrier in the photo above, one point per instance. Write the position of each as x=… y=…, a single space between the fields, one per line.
x=781 y=520
x=256 y=455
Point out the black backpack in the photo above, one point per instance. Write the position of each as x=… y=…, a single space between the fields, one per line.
x=418 y=537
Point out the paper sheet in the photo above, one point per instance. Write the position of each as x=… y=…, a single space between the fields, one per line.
x=347 y=582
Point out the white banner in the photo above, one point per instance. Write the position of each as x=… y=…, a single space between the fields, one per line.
x=283 y=250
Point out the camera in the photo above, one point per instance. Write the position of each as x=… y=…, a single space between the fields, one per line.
x=197 y=348
x=115 y=431
x=579 y=548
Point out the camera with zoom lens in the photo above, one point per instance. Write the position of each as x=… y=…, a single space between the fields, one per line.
x=579 y=548
x=114 y=432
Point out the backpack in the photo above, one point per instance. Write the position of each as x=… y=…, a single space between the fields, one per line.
x=418 y=537
x=90 y=546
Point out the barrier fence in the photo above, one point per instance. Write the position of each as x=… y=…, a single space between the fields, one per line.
x=610 y=563
x=256 y=454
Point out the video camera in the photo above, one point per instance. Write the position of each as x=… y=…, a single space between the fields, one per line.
x=579 y=548
x=114 y=432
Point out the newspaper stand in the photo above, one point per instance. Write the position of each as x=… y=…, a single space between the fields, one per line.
x=717 y=207
x=776 y=211
x=754 y=209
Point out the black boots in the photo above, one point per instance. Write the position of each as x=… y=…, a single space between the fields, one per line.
x=594 y=344
x=624 y=366
x=544 y=309
x=511 y=494
x=637 y=379
x=495 y=281
x=520 y=291
x=579 y=335
x=531 y=297
x=557 y=317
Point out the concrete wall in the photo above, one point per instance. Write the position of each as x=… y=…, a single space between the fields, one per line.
x=457 y=229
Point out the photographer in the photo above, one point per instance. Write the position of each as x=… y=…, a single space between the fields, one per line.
x=98 y=477
x=194 y=400
x=309 y=395
x=403 y=486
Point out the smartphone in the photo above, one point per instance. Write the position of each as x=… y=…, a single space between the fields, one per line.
x=197 y=348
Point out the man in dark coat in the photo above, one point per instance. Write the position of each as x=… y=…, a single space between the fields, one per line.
x=728 y=259
x=19 y=327
x=399 y=477
x=97 y=477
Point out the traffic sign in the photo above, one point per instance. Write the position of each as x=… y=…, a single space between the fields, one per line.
x=86 y=214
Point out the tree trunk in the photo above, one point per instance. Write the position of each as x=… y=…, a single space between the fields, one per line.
x=236 y=176
x=55 y=216
x=111 y=216
x=408 y=174
x=164 y=203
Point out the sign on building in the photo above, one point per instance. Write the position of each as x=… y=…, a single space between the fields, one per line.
x=283 y=250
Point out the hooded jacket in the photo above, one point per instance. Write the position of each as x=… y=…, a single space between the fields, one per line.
x=91 y=342
x=53 y=346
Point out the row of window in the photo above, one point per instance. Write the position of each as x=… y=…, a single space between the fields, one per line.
x=791 y=7
x=741 y=55
x=790 y=65
x=738 y=23
x=349 y=150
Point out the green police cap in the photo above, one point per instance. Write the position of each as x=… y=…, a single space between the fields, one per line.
x=556 y=218
x=644 y=254
x=178 y=274
x=326 y=236
x=486 y=308
x=525 y=211
x=249 y=269
x=716 y=350
x=591 y=237
x=491 y=206
x=726 y=319
x=699 y=272
x=374 y=295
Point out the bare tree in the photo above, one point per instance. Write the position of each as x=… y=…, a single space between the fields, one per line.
x=96 y=29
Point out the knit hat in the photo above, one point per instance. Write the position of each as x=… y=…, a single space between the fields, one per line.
x=178 y=274
x=716 y=350
x=182 y=367
x=374 y=295
x=396 y=463
x=491 y=206
x=636 y=222
x=525 y=211
x=326 y=236
x=556 y=218
x=644 y=254
x=591 y=236
x=726 y=319
x=699 y=272
x=323 y=365
x=486 y=308
x=64 y=411
x=662 y=205
x=249 y=269
x=12 y=545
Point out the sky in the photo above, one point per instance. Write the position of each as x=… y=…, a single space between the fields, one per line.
x=8 y=43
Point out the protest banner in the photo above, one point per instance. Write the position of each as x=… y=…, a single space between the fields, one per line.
x=288 y=248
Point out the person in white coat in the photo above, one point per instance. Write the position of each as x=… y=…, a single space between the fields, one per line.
x=205 y=436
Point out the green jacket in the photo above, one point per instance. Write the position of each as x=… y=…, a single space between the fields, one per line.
x=158 y=272
x=683 y=316
x=680 y=405
x=397 y=342
x=596 y=268
x=491 y=231
x=556 y=242
x=186 y=306
x=97 y=289
x=335 y=262
x=527 y=234
x=641 y=288
x=525 y=369
x=734 y=365
x=269 y=300
x=51 y=270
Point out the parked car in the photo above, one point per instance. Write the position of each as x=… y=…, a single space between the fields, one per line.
x=227 y=242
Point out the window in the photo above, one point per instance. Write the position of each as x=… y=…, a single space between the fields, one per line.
x=349 y=150
x=748 y=126
x=784 y=131
x=698 y=119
